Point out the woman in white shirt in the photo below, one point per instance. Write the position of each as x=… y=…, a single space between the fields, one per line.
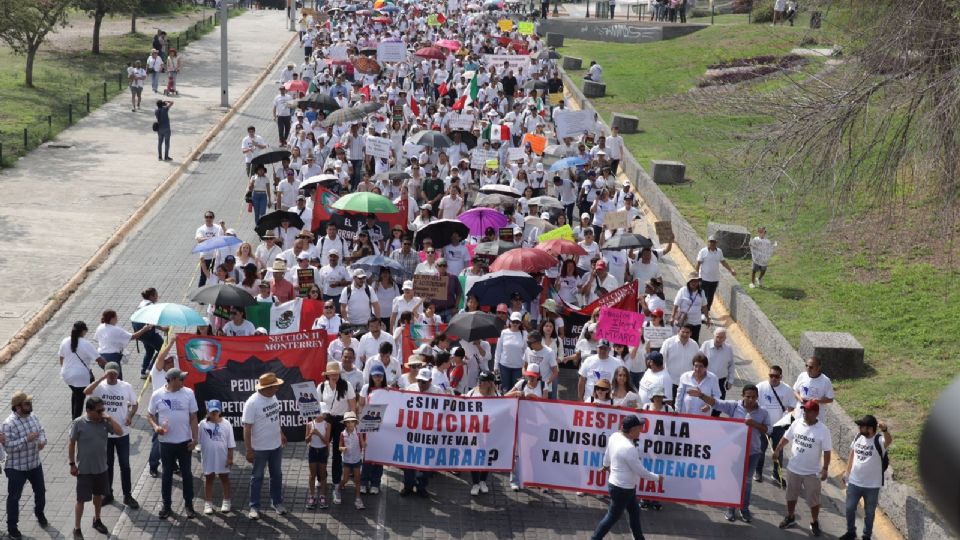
x=451 y=205
x=386 y=289
x=259 y=186
x=76 y=356
x=111 y=339
x=566 y=284
x=624 y=394
x=510 y=350
x=340 y=398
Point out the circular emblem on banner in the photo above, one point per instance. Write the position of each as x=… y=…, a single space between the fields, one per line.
x=204 y=354
x=285 y=320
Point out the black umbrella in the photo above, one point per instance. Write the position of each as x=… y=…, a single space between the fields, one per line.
x=473 y=326
x=500 y=189
x=368 y=106
x=431 y=138
x=224 y=294
x=353 y=114
x=272 y=221
x=624 y=240
x=492 y=249
x=266 y=157
x=494 y=199
x=535 y=85
x=497 y=287
x=323 y=102
x=439 y=231
x=465 y=137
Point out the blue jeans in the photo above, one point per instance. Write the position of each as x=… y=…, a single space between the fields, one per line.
x=15 y=482
x=509 y=377
x=163 y=143
x=259 y=205
x=171 y=453
x=261 y=460
x=120 y=445
x=413 y=477
x=371 y=475
x=754 y=459
x=154 y=78
x=154 y=458
x=870 y=497
x=620 y=499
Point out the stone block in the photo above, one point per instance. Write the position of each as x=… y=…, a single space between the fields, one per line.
x=626 y=123
x=840 y=354
x=554 y=39
x=667 y=172
x=734 y=240
x=570 y=62
x=594 y=89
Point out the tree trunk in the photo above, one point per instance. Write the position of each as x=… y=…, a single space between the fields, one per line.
x=133 y=21
x=31 y=55
x=97 y=21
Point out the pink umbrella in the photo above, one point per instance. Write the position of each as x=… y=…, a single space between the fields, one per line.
x=298 y=85
x=431 y=53
x=529 y=260
x=451 y=44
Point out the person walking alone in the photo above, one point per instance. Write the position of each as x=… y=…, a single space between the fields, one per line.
x=23 y=438
x=163 y=129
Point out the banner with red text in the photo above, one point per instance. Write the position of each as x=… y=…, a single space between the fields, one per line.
x=435 y=432
x=227 y=369
x=561 y=445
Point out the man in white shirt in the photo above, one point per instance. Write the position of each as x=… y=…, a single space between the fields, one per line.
x=720 y=355
x=615 y=149
x=208 y=230
x=778 y=399
x=249 y=146
x=120 y=402
x=154 y=66
x=264 y=442
x=761 y=250
x=864 y=475
x=598 y=282
x=813 y=385
x=709 y=261
x=281 y=113
x=172 y=415
x=594 y=368
x=678 y=352
x=333 y=278
x=288 y=190
x=653 y=378
x=332 y=243
x=358 y=302
x=808 y=439
x=456 y=255
x=595 y=73
x=371 y=341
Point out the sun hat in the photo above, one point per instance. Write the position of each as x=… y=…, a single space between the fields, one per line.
x=350 y=416
x=602 y=383
x=19 y=398
x=551 y=305
x=268 y=380
x=279 y=266
x=333 y=368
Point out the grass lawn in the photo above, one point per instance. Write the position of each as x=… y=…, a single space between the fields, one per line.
x=62 y=78
x=824 y=277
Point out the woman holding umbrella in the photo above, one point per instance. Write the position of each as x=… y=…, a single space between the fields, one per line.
x=111 y=339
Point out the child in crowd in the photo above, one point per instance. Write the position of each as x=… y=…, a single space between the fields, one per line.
x=216 y=451
x=352 y=444
x=318 y=442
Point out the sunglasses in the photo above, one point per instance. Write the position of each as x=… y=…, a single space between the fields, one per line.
x=327 y=307
x=441 y=266
x=207 y=217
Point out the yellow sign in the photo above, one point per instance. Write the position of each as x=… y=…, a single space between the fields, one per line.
x=561 y=233
x=492 y=164
x=525 y=28
x=505 y=25
x=556 y=98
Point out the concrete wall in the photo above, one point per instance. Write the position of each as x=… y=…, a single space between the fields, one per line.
x=604 y=30
x=903 y=504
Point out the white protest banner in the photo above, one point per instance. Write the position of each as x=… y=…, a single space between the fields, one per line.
x=370 y=418
x=572 y=123
x=338 y=52
x=461 y=121
x=308 y=401
x=656 y=335
x=513 y=61
x=703 y=459
x=391 y=51
x=479 y=157
x=377 y=147
x=515 y=154
x=446 y=433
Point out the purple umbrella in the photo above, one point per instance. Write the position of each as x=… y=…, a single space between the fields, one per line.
x=478 y=219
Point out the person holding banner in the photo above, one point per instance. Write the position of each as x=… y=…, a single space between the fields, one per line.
x=340 y=399
x=695 y=384
x=415 y=481
x=545 y=359
x=595 y=368
x=264 y=441
x=486 y=387
x=623 y=461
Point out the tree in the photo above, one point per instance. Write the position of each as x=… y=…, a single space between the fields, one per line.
x=24 y=25
x=98 y=9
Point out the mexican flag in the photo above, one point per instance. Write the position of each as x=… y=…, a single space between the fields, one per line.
x=496 y=132
x=474 y=90
x=290 y=317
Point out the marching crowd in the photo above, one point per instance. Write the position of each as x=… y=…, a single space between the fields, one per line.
x=465 y=88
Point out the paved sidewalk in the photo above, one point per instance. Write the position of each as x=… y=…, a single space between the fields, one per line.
x=47 y=228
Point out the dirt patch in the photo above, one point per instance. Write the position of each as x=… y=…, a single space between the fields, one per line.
x=79 y=30
x=730 y=72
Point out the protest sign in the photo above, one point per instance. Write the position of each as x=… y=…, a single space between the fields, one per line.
x=655 y=335
x=391 y=51
x=505 y=25
x=561 y=446
x=430 y=287
x=461 y=121
x=525 y=28
x=575 y=317
x=370 y=418
x=620 y=326
x=305 y=280
x=560 y=233
x=492 y=164
x=638 y=226
x=479 y=157
x=538 y=143
x=555 y=99
x=664 y=231
x=447 y=433
x=377 y=147
x=308 y=401
x=572 y=123
x=615 y=220
x=338 y=52
x=513 y=61
x=227 y=369
x=515 y=154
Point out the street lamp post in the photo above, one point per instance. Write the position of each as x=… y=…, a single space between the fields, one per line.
x=224 y=60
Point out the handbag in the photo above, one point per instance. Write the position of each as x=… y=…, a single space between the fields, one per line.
x=248 y=197
x=156 y=126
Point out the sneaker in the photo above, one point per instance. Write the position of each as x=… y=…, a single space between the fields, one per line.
x=154 y=473
x=100 y=527
x=406 y=492
x=322 y=503
x=17 y=535
x=164 y=513
x=483 y=487
x=849 y=536
x=787 y=522
x=729 y=515
x=190 y=512
x=646 y=505
x=475 y=490
x=752 y=286
x=580 y=494
x=746 y=516
x=358 y=504
x=253 y=513
x=130 y=502
x=207 y=508
x=815 y=528
x=225 y=507
x=143 y=375
x=279 y=509
x=364 y=489
x=42 y=521
x=514 y=487
x=656 y=506
x=311 y=503
x=374 y=490
x=77 y=535
x=758 y=477
x=336 y=496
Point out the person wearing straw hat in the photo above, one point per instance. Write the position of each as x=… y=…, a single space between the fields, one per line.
x=172 y=414
x=264 y=441
x=120 y=400
x=283 y=290
x=351 y=445
x=23 y=437
x=340 y=397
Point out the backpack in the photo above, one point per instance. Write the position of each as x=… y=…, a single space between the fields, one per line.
x=884 y=458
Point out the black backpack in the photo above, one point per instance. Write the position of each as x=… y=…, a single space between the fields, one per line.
x=884 y=458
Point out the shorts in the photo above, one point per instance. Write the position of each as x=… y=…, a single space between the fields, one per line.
x=89 y=485
x=808 y=484
x=758 y=268
x=317 y=455
x=350 y=467
x=136 y=90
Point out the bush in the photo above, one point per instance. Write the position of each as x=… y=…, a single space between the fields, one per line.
x=742 y=6
x=763 y=11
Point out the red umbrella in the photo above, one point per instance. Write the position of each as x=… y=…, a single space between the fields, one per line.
x=432 y=53
x=298 y=85
x=381 y=20
x=366 y=65
x=529 y=260
x=562 y=247
x=451 y=44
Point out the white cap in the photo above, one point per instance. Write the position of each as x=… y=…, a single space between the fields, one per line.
x=425 y=374
x=544 y=215
x=515 y=316
x=303 y=256
x=532 y=369
x=359 y=273
x=408 y=285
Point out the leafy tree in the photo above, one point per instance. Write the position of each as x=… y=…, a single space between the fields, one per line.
x=24 y=25
x=98 y=9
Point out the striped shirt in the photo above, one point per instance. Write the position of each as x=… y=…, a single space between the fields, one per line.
x=22 y=455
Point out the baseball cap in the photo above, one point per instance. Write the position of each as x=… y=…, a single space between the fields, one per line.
x=175 y=374
x=488 y=376
x=424 y=374
x=603 y=343
x=811 y=406
x=408 y=285
x=112 y=366
x=533 y=370
x=868 y=421
x=378 y=370
x=713 y=238
x=657 y=312
x=515 y=316
x=214 y=405
x=359 y=273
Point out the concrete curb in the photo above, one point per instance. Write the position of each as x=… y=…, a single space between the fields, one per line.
x=57 y=299
x=904 y=505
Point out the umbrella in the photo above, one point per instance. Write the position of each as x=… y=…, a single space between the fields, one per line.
x=431 y=138
x=353 y=114
x=478 y=219
x=560 y=246
x=546 y=201
x=365 y=12
x=366 y=65
x=465 y=137
x=567 y=163
x=373 y=263
x=540 y=223
x=365 y=202
x=529 y=260
x=473 y=326
x=334 y=10
x=390 y=176
x=298 y=85
x=215 y=243
x=451 y=44
x=548 y=55
x=368 y=107
x=266 y=157
x=499 y=189
x=431 y=53
x=497 y=287
x=323 y=102
x=389 y=9
x=381 y=20
x=494 y=199
x=273 y=219
x=493 y=249
x=492 y=5
x=223 y=294
x=535 y=85
x=439 y=231
x=320 y=179
x=624 y=240
x=167 y=314
x=351 y=9
x=368 y=52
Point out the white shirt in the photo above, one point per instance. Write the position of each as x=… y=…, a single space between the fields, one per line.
x=867 y=470
x=393 y=371
x=370 y=346
x=336 y=347
x=710 y=386
x=721 y=360
x=359 y=305
x=625 y=462
x=677 y=357
x=281 y=105
x=761 y=249
x=510 y=349
x=263 y=414
x=690 y=303
x=547 y=360
x=642 y=272
x=337 y=405
x=111 y=338
x=76 y=365
x=216 y=438
x=710 y=264
x=117 y=399
x=249 y=147
x=595 y=368
x=401 y=304
x=206 y=233
x=821 y=387
x=652 y=380
x=245 y=328
x=329 y=324
x=457 y=258
x=173 y=410
x=768 y=400
x=807 y=444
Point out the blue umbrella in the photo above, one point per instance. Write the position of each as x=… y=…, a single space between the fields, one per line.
x=389 y=9
x=497 y=287
x=567 y=163
x=373 y=263
x=168 y=314
x=215 y=243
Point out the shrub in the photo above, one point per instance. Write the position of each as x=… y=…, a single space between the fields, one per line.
x=763 y=11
